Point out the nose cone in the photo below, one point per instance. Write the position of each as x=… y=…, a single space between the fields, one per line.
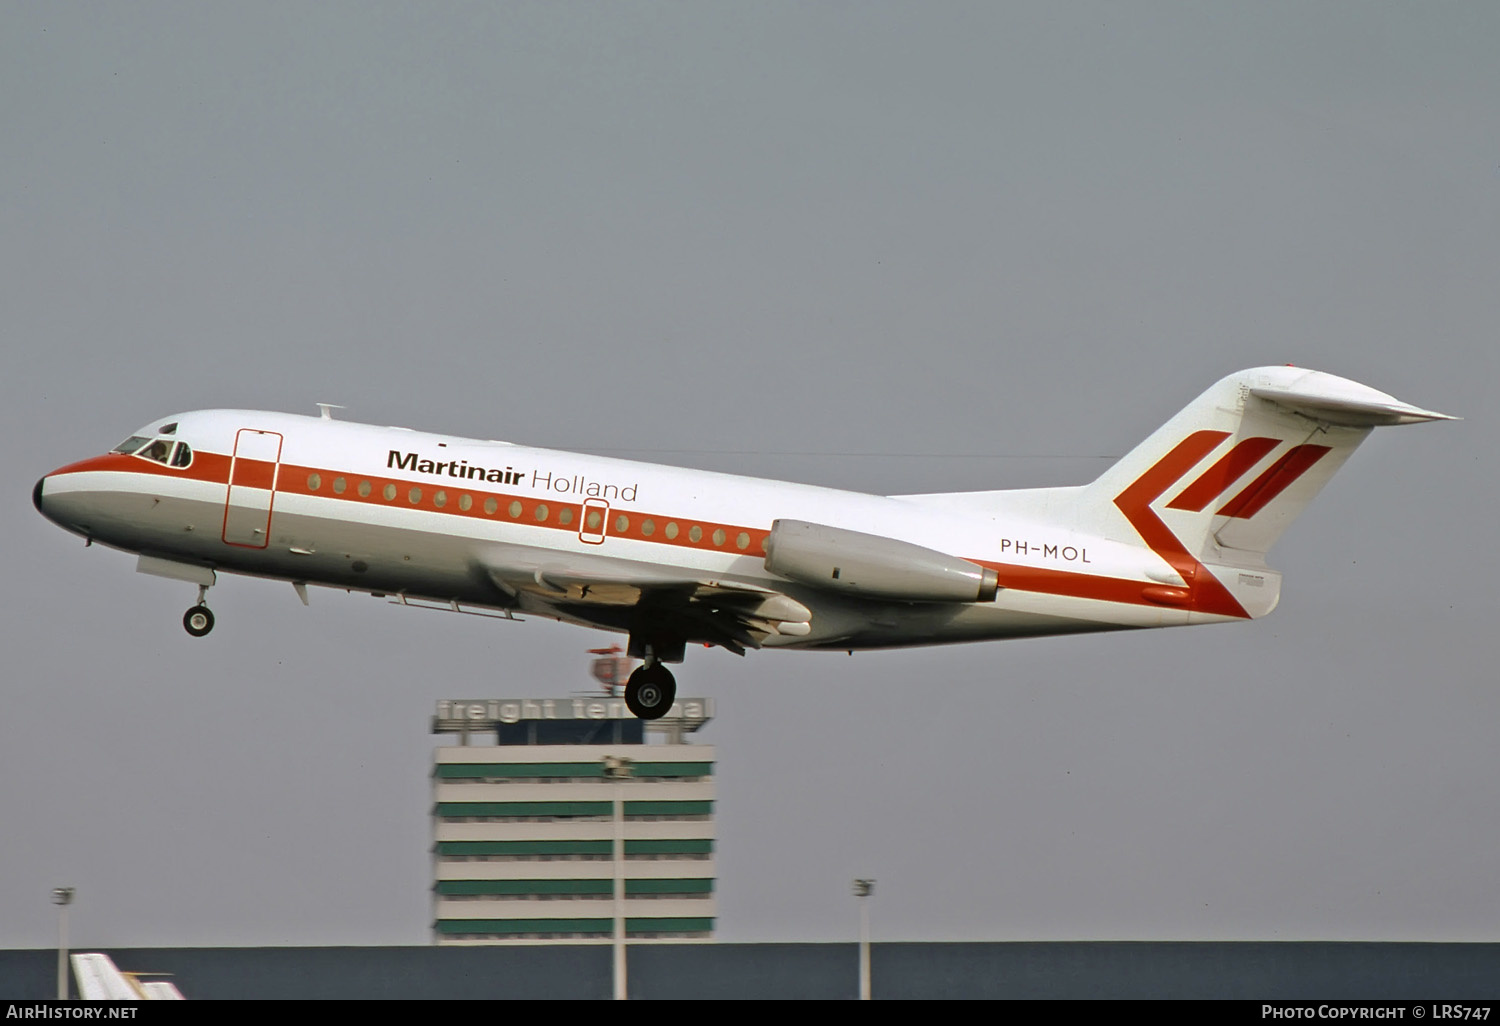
x=72 y=496
x=39 y=500
x=52 y=505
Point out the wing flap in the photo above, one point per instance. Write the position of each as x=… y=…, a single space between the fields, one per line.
x=733 y=614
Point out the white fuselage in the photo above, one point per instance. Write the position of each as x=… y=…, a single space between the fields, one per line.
x=407 y=513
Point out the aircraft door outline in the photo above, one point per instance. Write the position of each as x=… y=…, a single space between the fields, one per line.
x=593 y=522
x=251 y=497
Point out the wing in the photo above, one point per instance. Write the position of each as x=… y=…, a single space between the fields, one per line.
x=625 y=595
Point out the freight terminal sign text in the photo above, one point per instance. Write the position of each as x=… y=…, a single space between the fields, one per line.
x=514 y=710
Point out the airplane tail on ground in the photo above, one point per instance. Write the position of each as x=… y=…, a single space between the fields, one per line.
x=99 y=980
x=1213 y=489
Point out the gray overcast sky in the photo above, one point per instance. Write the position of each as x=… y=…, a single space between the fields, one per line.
x=1014 y=237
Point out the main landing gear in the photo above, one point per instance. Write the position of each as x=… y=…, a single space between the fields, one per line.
x=199 y=620
x=651 y=689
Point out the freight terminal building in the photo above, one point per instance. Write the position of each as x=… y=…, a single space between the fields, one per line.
x=526 y=807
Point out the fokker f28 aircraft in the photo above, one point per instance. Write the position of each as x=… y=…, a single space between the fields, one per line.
x=1174 y=533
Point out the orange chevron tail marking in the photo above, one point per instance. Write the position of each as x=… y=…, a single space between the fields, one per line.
x=1208 y=595
x=1274 y=481
x=1215 y=481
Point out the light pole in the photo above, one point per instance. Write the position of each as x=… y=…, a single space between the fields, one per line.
x=617 y=769
x=862 y=890
x=62 y=897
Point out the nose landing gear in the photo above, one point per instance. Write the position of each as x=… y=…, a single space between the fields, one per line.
x=199 y=620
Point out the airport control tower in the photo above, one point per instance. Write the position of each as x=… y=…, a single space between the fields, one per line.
x=535 y=797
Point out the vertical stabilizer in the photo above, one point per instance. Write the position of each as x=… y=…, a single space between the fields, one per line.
x=1213 y=489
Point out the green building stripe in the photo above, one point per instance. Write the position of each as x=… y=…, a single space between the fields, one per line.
x=685 y=885
x=669 y=808
x=455 y=809
x=603 y=927
x=679 y=924
x=525 y=887
x=670 y=846
x=448 y=809
x=451 y=926
x=672 y=769
x=680 y=885
x=472 y=770
x=525 y=847
x=667 y=846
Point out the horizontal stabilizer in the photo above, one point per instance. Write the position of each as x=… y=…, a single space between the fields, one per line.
x=1375 y=409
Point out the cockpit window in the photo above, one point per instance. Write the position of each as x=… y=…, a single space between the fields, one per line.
x=159 y=450
x=167 y=429
x=131 y=445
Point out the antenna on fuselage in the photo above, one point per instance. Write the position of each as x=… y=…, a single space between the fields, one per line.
x=328 y=408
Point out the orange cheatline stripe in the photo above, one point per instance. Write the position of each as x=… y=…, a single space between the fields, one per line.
x=1071 y=584
x=210 y=467
x=509 y=507
x=253 y=473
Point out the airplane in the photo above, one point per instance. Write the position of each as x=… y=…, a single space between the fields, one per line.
x=1174 y=533
x=99 y=980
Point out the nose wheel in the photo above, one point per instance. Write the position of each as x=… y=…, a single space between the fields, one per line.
x=199 y=620
x=650 y=691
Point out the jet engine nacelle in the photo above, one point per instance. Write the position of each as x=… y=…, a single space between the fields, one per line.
x=872 y=566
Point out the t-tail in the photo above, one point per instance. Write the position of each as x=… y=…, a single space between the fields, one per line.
x=1212 y=490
